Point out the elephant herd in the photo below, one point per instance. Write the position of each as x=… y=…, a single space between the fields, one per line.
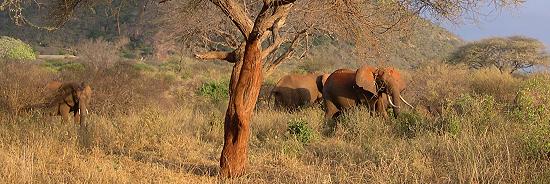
x=376 y=88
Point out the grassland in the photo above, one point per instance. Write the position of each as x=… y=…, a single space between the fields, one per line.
x=163 y=123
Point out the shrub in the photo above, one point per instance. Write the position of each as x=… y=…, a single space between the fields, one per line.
x=501 y=86
x=98 y=53
x=409 y=124
x=475 y=113
x=434 y=83
x=300 y=130
x=122 y=88
x=141 y=66
x=22 y=85
x=11 y=48
x=532 y=102
x=172 y=65
x=533 y=98
x=58 y=65
x=216 y=91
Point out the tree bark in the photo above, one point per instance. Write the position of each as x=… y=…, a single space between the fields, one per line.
x=245 y=86
x=246 y=80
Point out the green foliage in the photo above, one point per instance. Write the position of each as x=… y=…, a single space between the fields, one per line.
x=59 y=65
x=532 y=102
x=409 y=124
x=172 y=65
x=450 y=124
x=301 y=130
x=507 y=54
x=11 y=48
x=533 y=98
x=216 y=91
x=501 y=86
x=137 y=48
x=141 y=66
x=475 y=112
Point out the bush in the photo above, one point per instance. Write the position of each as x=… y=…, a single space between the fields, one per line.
x=434 y=83
x=121 y=88
x=58 y=65
x=300 y=130
x=98 y=53
x=216 y=91
x=22 y=85
x=473 y=113
x=409 y=124
x=501 y=86
x=533 y=98
x=141 y=66
x=532 y=102
x=11 y=48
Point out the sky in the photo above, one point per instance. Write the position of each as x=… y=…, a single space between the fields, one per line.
x=532 y=19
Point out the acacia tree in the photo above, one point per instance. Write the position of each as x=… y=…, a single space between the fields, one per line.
x=259 y=38
x=508 y=54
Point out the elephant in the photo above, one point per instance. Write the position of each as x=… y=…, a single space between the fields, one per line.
x=296 y=90
x=378 y=88
x=70 y=97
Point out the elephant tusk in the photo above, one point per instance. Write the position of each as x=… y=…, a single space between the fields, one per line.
x=78 y=111
x=391 y=102
x=87 y=111
x=405 y=101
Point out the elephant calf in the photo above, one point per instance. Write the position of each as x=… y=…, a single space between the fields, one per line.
x=295 y=90
x=70 y=97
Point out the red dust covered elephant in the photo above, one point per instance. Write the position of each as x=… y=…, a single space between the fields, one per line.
x=70 y=97
x=295 y=90
x=377 y=88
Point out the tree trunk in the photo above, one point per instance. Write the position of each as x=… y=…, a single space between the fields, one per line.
x=245 y=86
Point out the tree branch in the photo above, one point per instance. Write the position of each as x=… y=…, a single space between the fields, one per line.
x=277 y=41
x=232 y=57
x=281 y=10
x=221 y=55
x=237 y=14
x=287 y=54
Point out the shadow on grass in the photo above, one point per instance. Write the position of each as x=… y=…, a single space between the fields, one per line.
x=199 y=169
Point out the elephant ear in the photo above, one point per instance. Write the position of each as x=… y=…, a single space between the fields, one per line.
x=364 y=78
x=395 y=76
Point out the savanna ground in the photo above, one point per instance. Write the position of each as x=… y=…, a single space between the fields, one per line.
x=163 y=123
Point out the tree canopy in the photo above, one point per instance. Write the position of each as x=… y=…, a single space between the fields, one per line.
x=508 y=54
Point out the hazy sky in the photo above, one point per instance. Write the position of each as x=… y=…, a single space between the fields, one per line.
x=532 y=19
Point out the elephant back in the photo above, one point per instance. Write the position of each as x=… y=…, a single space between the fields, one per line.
x=296 y=90
x=340 y=78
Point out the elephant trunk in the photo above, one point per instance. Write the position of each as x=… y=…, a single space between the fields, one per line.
x=395 y=96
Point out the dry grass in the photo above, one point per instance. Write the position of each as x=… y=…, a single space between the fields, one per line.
x=146 y=129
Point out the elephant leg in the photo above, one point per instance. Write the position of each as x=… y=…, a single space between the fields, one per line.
x=77 y=117
x=64 y=111
x=331 y=110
